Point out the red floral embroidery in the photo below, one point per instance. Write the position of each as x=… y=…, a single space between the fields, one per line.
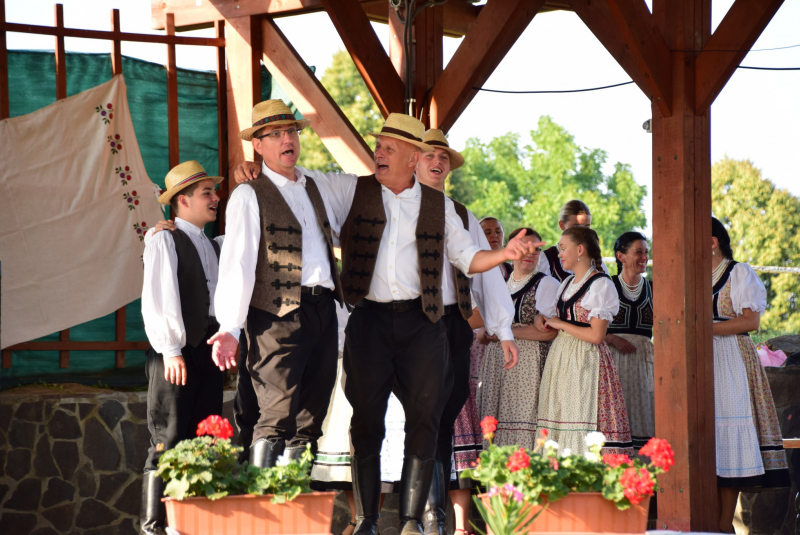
x=115 y=142
x=132 y=198
x=124 y=174
x=141 y=229
x=106 y=112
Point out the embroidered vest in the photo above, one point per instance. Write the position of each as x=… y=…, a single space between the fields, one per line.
x=524 y=300
x=556 y=269
x=193 y=288
x=279 y=264
x=723 y=280
x=567 y=309
x=634 y=317
x=361 y=238
x=462 y=281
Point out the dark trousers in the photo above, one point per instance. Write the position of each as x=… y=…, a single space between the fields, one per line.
x=173 y=410
x=292 y=365
x=459 y=341
x=400 y=351
x=245 y=404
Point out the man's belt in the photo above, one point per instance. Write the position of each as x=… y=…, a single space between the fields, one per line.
x=392 y=306
x=450 y=309
x=315 y=290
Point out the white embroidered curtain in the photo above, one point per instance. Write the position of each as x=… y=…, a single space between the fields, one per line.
x=75 y=202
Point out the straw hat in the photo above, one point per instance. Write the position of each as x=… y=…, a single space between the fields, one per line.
x=405 y=128
x=182 y=176
x=268 y=113
x=435 y=138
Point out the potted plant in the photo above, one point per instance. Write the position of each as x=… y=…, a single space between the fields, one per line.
x=208 y=491
x=556 y=490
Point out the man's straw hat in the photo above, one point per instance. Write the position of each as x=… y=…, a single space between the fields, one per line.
x=182 y=176
x=405 y=128
x=435 y=138
x=268 y=113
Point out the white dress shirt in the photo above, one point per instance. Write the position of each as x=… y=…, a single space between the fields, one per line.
x=396 y=275
x=161 y=301
x=240 y=255
x=489 y=290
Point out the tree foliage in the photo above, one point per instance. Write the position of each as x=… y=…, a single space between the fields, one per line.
x=763 y=223
x=527 y=185
x=345 y=85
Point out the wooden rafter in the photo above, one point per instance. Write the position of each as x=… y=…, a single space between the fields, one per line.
x=738 y=31
x=497 y=28
x=630 y=34
x=368 y=54
x=314 y=102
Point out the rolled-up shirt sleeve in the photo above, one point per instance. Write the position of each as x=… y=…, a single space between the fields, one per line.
x=237 y=262
x=490 y=292
x=161 y=301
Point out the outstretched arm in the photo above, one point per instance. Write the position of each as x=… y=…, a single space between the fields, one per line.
x=516 y=249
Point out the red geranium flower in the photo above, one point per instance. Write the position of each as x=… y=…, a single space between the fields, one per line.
x=660 y=453
x=518 y=460
x=636 y=484
x=216 y=426
x=616 y=459
x=488 y=426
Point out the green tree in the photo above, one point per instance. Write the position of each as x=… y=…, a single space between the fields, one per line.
x=345 y=85
x=527 y=185
x=762 y=221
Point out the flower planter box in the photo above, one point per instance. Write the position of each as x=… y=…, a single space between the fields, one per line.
x=588 y=512
x=248 y=514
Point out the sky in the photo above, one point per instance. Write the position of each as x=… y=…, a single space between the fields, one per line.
x=756 y=117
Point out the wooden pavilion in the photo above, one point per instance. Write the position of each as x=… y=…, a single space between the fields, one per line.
x=670 y=53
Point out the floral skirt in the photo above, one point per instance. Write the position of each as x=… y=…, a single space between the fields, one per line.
x=512 y=396
x=636 y=377
x=580 y=392
x=467 y=439
x=762 y=405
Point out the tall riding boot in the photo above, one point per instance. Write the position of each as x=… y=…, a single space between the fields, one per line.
x=264 y=453
x=367 y=493
x=435 y=516
x=153 y=515
x=415 y=484
x=294 y=453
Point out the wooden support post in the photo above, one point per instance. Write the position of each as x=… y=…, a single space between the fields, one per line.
x=428 y=57
x=367 y=52
x=243 y=39
x=396 y=53
x=307 y=93
x=684 y=364
x=4 y=108
x=119 y=336
x=61 y=55
x=116 y=51
x=496 y=29
x=222 y=122
x=172 y=97
x=63 y=355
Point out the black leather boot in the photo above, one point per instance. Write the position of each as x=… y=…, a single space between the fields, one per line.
x=367 y=493
x=415 y=484
x=153 y=515
x=433 y=520
x=264 y=453
x=295 y=452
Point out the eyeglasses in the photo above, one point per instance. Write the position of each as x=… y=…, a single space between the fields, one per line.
x=278 y=134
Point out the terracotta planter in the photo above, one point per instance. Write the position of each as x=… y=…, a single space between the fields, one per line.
x=588 y=512
x=252 y=515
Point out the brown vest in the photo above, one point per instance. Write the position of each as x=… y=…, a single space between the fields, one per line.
x=463 y=297
x=279 y=265
x=361 y=237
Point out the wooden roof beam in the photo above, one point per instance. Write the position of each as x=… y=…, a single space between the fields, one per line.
x=307 y=93
x=738 y=31
x=497 y=28
x=630 y=34
x=368 y=54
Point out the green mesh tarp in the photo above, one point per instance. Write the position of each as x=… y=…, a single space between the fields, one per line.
x=31 y=87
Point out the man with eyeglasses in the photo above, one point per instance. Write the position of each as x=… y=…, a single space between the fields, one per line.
x=278 y=279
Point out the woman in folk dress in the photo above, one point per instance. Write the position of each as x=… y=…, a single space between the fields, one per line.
x=748 y=437
x=580 y=390
x=511 y=396
x=630 y=333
